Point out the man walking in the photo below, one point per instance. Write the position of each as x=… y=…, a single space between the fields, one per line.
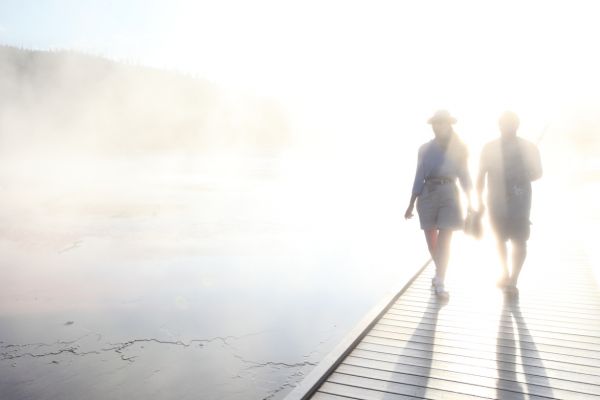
x=510 y=164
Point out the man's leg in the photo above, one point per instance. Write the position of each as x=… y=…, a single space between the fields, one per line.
x=499 y=226
x=502 y=252
x=519 y=253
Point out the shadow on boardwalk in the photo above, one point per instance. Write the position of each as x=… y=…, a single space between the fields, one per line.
x=423 y=338
x=510 y=351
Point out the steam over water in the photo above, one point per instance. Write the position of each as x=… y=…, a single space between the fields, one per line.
x=163 y=238
x=211 y=277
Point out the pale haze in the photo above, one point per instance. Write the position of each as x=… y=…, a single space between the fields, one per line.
x=201 y=199
x=378 y=61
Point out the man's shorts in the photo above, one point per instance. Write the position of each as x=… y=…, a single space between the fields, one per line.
x=439 y=207
x=517 y=229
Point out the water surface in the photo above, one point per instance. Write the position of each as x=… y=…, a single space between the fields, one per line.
x=189 y=277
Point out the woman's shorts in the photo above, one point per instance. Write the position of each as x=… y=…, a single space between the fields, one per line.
x=439 y=207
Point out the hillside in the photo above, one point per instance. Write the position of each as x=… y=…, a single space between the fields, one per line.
x=74 y=102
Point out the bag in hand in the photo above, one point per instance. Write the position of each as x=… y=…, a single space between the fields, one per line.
x=473 y=224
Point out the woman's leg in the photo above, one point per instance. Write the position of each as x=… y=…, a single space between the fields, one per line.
x=444 y=239
x=431 y=236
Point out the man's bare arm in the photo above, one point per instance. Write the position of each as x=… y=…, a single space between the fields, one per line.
x=535 y=171
x=480 y=182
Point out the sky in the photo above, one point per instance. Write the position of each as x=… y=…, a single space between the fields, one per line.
x=379 y=61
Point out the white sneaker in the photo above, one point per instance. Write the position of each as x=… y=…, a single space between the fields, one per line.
x=435 y=281
x=441 y=292
x=511 y=290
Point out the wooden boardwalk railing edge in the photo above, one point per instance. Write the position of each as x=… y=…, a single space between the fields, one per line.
x=309 y=385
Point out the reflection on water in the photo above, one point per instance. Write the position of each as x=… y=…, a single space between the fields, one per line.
x=222 y=278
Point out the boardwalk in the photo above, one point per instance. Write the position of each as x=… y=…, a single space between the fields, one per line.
x=481 y=344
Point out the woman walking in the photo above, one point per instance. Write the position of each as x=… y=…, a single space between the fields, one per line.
x=440 y=162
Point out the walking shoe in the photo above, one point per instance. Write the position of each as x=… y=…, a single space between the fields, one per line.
x=511 y=290
x=441 y=292
x=435 y=281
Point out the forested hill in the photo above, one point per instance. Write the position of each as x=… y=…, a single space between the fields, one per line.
x=75 y=102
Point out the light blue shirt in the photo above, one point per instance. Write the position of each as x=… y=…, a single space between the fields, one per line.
x=435 y=161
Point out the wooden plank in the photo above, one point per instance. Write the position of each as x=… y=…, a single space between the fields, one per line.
x=459 y=364
x=508 y=344
x=579 y=289
x=490 y=362
x=532 y=357
x=415 y=390
x=457 y=329
x=583 y=299
x=559 y=309
x=356 y=392
x=524 y=330
x=537 y=315
x=565 y=300
x=474 y=385
x=327 y=396
x=519 y=327
x=488 y=377
x=497 y=307
x=540 y=320
x=503 y=339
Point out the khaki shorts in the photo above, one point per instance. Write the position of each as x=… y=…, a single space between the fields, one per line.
x=516 y=229
x=439 y=207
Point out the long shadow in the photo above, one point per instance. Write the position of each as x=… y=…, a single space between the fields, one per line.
x=508 y=385
x=423 y=338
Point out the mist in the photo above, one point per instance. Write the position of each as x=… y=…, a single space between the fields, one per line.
x=61 y=102
x=162 y=228
x=147 y=211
